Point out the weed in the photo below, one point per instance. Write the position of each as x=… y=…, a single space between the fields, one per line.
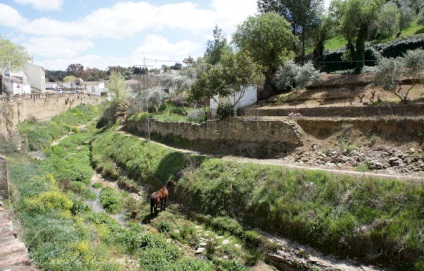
x=364 y=167
x=110 y=200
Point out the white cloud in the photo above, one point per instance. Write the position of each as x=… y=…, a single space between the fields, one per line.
x=158 y=47
x=53 y=47
x=42 y=5
x=10 y=17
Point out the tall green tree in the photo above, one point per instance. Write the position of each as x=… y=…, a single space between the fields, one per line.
x=303 y=15
x=268 y=39
x=12 y=57
x=355 y=18
x=217 y=47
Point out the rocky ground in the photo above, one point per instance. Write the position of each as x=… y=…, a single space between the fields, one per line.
x=401 y=156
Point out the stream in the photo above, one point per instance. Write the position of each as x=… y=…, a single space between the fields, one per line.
x=95 y=204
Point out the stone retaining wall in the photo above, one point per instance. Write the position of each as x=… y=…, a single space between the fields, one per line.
x=345 y=111
x=17 y=108
x=251 y=138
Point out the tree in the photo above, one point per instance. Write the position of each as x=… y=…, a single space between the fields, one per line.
x=12 y=57
x=117 y=86
x=268 y=39
x=76 y=70
x=303 y=15
x=217 y=47
x=355 y=18
x=388 y=19
x=70 y=78
x=233 y=74
x=390 y=72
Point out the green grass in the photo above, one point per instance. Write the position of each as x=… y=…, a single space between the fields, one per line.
x=334 y=43
x=172 y=113
x=335 y=213
x=338 y=41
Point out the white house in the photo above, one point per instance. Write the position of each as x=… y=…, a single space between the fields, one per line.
x=249 y=97
x=16 y=83
x=36 y=76
x=95 y=87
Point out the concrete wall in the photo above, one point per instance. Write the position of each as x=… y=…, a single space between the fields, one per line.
x=251 y=138
x=15 y=109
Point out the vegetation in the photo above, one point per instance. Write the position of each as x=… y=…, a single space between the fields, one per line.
x=331 y=212
x=391 y=71
x=227 y=82
x=276 y=38
x=12 y=56
x=292 y=77
x=39 y=135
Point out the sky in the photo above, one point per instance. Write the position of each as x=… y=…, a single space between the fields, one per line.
x=102 y=33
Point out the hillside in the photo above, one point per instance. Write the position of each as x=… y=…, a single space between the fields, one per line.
x=347 y=124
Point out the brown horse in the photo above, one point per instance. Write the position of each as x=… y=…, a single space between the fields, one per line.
x=160 y=196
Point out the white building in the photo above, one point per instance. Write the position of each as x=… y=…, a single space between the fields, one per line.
x=36 y=76
x=16 y=83
x=249 y=97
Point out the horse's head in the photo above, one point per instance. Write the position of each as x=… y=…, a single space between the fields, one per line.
x=170 y=183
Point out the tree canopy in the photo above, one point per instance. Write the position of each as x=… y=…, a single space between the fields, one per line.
x=117 y=86
x=217 y=47
x=268 y=38
x=12 y=56
x=303 y=15
x=234 y=73
x=356 y=16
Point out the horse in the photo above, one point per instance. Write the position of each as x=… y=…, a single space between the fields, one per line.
x=160 y=196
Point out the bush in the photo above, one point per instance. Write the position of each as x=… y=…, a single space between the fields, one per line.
x=225 y=110
x=291 y=76
x=47 y=201
x=110 y=200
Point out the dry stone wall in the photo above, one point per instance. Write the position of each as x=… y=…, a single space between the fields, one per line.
x=15 y=109
x=251 y=138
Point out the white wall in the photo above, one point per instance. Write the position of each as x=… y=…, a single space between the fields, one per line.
x=36 y=76
x=250 y=97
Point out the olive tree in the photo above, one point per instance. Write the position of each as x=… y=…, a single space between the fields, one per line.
x=390 y=72
x=356 y=16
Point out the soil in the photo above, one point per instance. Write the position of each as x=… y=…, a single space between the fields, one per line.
x=354 y=92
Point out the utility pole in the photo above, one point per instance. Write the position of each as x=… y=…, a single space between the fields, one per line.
x=145 y=95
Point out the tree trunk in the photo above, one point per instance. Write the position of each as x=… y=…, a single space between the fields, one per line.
x=359 y=56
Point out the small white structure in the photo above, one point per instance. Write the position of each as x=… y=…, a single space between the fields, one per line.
x=248 y=97
x=15 y=83
x=95 y=87
x=36 y=76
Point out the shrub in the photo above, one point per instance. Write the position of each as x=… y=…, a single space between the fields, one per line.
x=47 y=201
x=291 y=76
x=225 y=110
x=110 y=200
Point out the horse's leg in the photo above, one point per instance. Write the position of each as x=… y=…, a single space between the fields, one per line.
x=152 y=205
x=165 y=202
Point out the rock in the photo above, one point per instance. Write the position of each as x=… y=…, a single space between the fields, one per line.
x=226 y=242
x=199 y=250
x=411 y=150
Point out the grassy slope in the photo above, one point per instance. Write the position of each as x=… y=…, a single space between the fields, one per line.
x=338 y=214
x=338 y=41
x=61 y=231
